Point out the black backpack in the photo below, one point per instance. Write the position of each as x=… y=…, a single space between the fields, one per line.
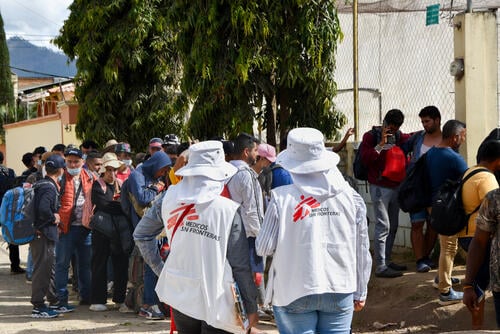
x=448 y=216
x=415 y=193
x=7 y=180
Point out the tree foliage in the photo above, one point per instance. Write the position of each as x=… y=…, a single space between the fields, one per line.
x=276 y=57
x=128 y=70
x=141 y=64
x=6 y=88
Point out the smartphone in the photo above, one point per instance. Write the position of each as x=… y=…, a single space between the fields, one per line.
x=479 y=293
x=391 y=139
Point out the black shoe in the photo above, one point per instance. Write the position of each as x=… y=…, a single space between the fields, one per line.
x=389 y=273
x=397 y=267
x=17 y=270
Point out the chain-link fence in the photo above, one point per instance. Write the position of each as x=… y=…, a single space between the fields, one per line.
x=403 y=63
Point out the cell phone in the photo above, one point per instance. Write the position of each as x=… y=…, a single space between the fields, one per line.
x=479 y=293
x=391 y=139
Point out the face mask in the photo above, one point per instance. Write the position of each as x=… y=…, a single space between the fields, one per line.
x=84 y=157
x=59 y=178
x=74 y=171
x=43 y=171
x=127 y=162
x=39 y=162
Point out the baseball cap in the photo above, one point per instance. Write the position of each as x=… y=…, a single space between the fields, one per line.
x=171 y=139
x=73 y=151
x=156 y=142
x=267 y=151
x=55 y=161
x=122 y=147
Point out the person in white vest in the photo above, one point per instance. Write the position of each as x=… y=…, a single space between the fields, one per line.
x=317 y=232
x=208 y=246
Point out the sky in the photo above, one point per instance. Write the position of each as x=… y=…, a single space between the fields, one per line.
x=37 y=21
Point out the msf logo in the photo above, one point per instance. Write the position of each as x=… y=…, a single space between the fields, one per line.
x=304 y=208
x=184 y=211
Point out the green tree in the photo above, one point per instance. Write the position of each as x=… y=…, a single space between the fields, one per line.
x=258 y=58
x=6 y=89
x=127 y=70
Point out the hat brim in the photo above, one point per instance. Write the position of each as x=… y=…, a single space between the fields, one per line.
x=113 y=163
x=271 y=159
x=217 y=173
x=326 y=161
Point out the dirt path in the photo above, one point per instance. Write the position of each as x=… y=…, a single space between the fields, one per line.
x=15 y=311
x=408 y=304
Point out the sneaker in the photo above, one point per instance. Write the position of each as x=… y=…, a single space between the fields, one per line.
x=98 y=307
x=430 y=263
x=62 y=308
x=423 y=267
x=389 y=273
x=263 y=315
x=452 y=297
x=454 y=281
x=17 y=270
x=123 y=308
x=397 y=267
x=151 y=313
x=43 y=313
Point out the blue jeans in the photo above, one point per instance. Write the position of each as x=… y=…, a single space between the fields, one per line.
x=76 y=241
x=150 y=280
x=386 y=209
x=29 y=265
x=324 y=313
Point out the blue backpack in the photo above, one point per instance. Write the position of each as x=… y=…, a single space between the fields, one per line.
x=17 y=214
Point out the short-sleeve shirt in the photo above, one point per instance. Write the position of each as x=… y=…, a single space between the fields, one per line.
x=473 y=193
x=444 y=163
x=488 y=220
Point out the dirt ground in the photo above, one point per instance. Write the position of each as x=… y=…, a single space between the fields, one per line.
x=406 y=304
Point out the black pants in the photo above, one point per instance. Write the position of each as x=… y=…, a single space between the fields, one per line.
x=188 y=325
x=101 y=251
x=43 y=255
x=14 y=256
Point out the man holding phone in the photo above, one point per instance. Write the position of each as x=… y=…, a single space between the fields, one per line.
x=383 y=191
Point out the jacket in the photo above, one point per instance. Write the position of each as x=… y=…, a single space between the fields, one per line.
x=375 y=161
x=68 y=196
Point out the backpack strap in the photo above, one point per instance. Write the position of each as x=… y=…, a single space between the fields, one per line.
x=464 y=179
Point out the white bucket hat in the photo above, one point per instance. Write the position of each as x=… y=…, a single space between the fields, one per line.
x=207 y=159
x=109 y=159
x=306 y=153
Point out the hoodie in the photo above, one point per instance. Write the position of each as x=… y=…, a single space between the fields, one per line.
x=141 y=184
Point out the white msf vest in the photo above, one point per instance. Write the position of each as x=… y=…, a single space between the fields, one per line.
x=196 y=277
x=316 y=248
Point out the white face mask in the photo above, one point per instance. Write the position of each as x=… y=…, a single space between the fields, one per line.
x=127 y=162
x=74 y=171
x=44 y=173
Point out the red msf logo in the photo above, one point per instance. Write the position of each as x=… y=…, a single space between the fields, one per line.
x=185 y=210
x=303 y=209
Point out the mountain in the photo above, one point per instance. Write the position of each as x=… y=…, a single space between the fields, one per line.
x=30 y=57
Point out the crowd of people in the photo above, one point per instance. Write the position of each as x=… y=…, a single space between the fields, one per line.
x=285 y=235
x=443 y=162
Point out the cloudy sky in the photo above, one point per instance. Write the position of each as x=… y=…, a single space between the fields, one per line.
x=37 y=21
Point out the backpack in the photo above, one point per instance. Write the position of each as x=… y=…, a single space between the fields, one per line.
x=448 y=216
x=415 y=191
x=17 y=214
x=359 y=170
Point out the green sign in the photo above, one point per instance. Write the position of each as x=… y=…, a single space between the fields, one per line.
x=432 y=15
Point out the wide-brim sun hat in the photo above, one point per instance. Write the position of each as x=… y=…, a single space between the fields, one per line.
x=110 y=160
x=207 y=158
x=306 y=152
